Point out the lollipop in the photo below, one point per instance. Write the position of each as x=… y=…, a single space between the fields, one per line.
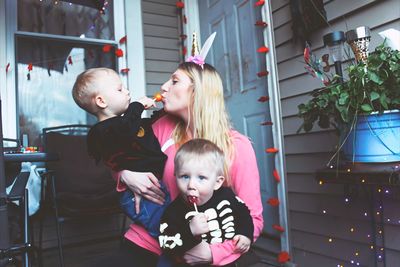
x=193 y=200
x=157 y=97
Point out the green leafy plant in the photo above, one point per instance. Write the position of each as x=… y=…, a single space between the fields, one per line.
x=370 y=87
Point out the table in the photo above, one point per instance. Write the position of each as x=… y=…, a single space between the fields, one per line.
x=370 y=176
x=32 y=157
x=19 y=192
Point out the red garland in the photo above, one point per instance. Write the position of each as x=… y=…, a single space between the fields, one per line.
x=184 y=51
x=261 y=23
x=271 y=150
x=276 y=176
x=262 y=73
x=264 y=98
x=125 y=70
x=259 y=3
x=107 y=48
x=266 y=123
x=7 y=67
x=30 y=66
x=183 y=36
x=119 y=52
x=283 y=257
x=69 y=60
x=278 y=228
x=263 y=49
x=123 y=40
x=273 y=201
x=180 y=4
x=184 y=19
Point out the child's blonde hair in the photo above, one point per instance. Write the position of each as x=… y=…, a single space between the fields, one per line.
x=86 y=88
x=207 y=110
x=201 y=148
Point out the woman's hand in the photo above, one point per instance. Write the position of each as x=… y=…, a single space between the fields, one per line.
x=143 y=184
x=200 y=254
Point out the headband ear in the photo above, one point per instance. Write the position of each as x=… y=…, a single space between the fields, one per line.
x=207 y=45
x=199 y=59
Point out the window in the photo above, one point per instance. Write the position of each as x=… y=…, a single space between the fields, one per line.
x=54 y=42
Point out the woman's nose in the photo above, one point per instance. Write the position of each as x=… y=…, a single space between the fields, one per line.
x=164 y=87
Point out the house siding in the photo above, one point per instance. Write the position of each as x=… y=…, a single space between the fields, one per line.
x=161 y=41
x=305 y=153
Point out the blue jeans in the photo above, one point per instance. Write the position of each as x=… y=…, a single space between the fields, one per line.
x=150 y=212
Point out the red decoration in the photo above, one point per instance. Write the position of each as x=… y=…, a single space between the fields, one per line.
x=276 y=176
x=259 y=3
x=273 y=201
x=184 y=51
x=184 y=19
x=180 y=4
x=278 y=228
x=271 y=150
x=70 y=60
x=119 y=52
x=263 y=49
x=262 y=73
x=264 y=98
x=107 y=48
x=125 y=70
x=30 y=66
x=261 y=23
x=266 y=123
x=283 y=257
x=123 y=40
x=183 y=36
x=306 y=54
x=7 y=67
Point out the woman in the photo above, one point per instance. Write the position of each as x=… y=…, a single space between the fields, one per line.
x=194 y=103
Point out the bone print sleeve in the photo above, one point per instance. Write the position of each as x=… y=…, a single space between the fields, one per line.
x=175 y=236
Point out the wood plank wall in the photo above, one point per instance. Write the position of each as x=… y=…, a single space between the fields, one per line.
x=161 y=41
x=310 y=228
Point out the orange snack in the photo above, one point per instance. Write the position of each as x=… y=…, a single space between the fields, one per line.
x=157 y=97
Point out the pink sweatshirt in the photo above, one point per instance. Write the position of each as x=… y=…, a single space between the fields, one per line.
x=245 y=183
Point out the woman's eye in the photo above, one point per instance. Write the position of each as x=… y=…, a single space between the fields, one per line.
x=174 y=81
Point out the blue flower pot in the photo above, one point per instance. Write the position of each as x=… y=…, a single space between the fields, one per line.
x=374 y=139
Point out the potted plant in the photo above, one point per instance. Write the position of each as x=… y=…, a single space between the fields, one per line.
x=354 y=105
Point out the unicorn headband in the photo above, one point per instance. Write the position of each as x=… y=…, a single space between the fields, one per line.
x=199 y=58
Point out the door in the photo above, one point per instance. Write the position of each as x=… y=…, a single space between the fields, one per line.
x=234 y=55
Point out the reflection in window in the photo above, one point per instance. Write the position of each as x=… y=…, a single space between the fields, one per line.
x=67 y=18
x=44 y=92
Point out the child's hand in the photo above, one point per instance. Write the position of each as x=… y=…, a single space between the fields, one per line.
x=242 y=243
x=198 y=224
x=147 y=102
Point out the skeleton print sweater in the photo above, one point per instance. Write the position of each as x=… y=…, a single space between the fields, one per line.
x=227 y=216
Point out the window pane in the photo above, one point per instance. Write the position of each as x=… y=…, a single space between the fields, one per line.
x=67 y=18
x=44 y=93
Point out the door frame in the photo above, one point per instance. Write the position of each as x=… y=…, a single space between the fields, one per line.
x=192 y=11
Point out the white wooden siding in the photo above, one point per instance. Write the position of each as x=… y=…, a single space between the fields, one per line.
x=305 y=153
x=161 y=41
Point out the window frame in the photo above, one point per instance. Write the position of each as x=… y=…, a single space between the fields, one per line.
x=9 y=33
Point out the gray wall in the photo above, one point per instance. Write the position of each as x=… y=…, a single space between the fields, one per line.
x=161 y=41
x=310 y=228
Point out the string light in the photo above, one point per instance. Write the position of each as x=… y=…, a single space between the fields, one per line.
x=324 y=211
x=320 y=182
x=330 y=240
x=351 y=229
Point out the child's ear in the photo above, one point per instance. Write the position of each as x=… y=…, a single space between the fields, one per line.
x=219 y=182
x=100 y=101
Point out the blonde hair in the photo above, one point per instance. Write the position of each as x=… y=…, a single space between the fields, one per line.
x=207 y=110
x=85 y=88
x=201 y=148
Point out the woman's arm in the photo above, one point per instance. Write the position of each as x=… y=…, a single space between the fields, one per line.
x=142 y=184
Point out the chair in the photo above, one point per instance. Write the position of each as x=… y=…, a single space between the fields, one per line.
x=79 y=187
